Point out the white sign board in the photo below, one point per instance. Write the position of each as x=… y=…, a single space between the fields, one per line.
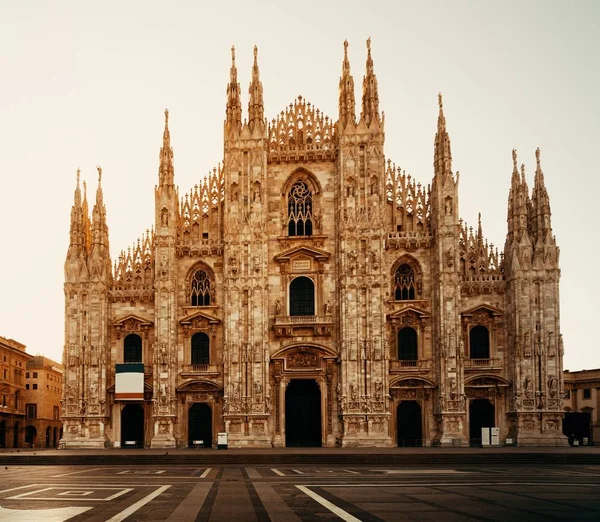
x=485 y=436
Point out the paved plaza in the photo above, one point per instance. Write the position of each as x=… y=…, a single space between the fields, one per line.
x=308 y=492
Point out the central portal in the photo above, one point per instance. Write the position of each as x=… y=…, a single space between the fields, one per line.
x=303 y=413
x=132 y=426
x=200 y=425
x=409 y=424
x=481 y=415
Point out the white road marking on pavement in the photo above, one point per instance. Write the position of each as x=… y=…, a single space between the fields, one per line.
x=206 y=472
x=71 y=488
x=350 y=471
x=299 y=472
x=75 y=472
x=339 y=512
x=20 y=487
x=134 y=507
x=277 y=472
x=47 y=515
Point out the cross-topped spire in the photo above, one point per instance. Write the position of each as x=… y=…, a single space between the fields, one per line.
x=233 y=119
x=166 y=171
x=347 y=105
x=542 y=227
x=255 y=103
x=370 y=97
x=442 y=155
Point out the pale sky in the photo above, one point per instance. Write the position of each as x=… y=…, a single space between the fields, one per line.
x=86 y=83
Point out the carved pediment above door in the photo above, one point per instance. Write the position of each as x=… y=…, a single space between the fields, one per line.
x=408 y=315
x=131 y=323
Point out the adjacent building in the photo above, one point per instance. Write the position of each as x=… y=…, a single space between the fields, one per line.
x=308 y=292
x=582 y=402
x=43 y=394
x=13 y=362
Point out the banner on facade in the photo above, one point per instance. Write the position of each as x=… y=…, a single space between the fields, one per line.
x=129 y=382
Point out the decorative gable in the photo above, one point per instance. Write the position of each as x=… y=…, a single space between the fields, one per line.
x=200 y=320
x=132 y=323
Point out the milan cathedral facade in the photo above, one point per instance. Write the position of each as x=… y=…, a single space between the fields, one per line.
x=309 y=293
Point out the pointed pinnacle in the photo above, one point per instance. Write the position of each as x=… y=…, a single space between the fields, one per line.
x=99 y=174
x=78 y=174
x=537 y=156
x=514 y=156
x=166 y=117
x=440 y=101
x=255 y=56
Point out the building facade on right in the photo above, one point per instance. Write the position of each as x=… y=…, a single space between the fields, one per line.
x=582 y=402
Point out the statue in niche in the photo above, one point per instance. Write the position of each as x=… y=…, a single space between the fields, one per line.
x=327 y=308
x=448 y=206
x=378 y=390
x=353 y=392
x=552 y=385
x=277 y=307
x=450 y=257
x=164 y=217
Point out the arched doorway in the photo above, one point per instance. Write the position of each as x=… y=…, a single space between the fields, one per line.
x=408 y=418
x=48 y=429
x=303 y=413
x=30 y=436
x=132 y=426
x=3 y=434
x=200 y=425
x=16 y=429
x=55 y=438
x=482 y=414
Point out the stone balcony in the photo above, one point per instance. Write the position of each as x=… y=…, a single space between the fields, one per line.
x=200 y=370
x=419 y=366
x=482 y=364
x=303 y=325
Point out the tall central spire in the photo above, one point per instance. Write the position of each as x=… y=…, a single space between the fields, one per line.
x=442 y=163
x=346 y=103
x=234 y=105
x=166 y=171
x=370 y=97
x=255 y=103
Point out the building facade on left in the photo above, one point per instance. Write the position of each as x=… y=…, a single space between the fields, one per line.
x=13 y=364
x=43 y=394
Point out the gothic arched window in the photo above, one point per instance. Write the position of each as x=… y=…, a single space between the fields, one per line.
x=302 y=296
x=404 y=283
x=300 y=210
x=407 y=344
x=132 y=349
x=200 y=348
x=200 y=289
x=479 y=342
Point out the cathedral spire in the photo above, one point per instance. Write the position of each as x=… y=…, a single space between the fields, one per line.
x=370 y=97
x=76 y=236
x=99 y=227
x=518 y=202
x=87 y=225
x=255 y=103
x=233 y=120
x=442 y=155
x=346 y=103
x=166 y=171
x=540 y=203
